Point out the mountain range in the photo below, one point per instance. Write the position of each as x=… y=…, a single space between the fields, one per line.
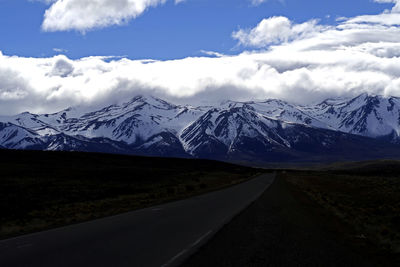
x=364 y=127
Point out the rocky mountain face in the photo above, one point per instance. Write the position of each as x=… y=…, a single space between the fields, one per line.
x=364 y=127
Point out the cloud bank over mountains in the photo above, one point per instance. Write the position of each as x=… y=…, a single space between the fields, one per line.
x=301 y=63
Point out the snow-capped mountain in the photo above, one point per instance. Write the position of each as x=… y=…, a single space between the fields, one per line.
x=365 y=126
x=373 y=116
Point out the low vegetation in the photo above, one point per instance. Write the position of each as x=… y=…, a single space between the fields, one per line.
x=366 y=196
x=42 y=190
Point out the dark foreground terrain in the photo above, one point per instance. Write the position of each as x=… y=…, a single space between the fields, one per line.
x=42 y=190
x=163 y=235
x=342 y=217
x=365 y=196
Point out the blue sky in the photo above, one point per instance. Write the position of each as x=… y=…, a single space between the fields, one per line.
x=60 y=53
x=168 y=31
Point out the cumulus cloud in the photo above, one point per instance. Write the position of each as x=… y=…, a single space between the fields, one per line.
x=305 y=64
x=62 y=67
x=276 y=30
x=84 y=15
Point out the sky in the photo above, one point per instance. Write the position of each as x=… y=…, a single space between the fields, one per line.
x=60 y=53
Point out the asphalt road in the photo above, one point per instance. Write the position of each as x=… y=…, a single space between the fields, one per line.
x=159 y=236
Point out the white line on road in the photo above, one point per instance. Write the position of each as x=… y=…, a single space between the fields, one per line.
x=183 y=252
x=201 y=238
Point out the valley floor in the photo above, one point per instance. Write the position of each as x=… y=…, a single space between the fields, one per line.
x=286 y=228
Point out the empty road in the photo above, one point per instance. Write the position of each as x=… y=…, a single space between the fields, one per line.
x=159 y=236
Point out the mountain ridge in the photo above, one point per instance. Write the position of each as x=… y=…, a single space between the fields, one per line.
x=266 y=130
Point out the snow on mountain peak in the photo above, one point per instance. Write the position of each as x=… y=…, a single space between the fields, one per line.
x=150 y=122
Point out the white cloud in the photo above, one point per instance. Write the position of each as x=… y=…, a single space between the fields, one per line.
x=62 y=67
x=396 y=7
x=384 y=19
x=259 y=2
x=60 y=50
x=85 y=15
x=305 y=64
x=211 y=53
x=276 y=30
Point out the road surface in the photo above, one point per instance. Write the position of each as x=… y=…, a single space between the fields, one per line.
x=163 y=235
